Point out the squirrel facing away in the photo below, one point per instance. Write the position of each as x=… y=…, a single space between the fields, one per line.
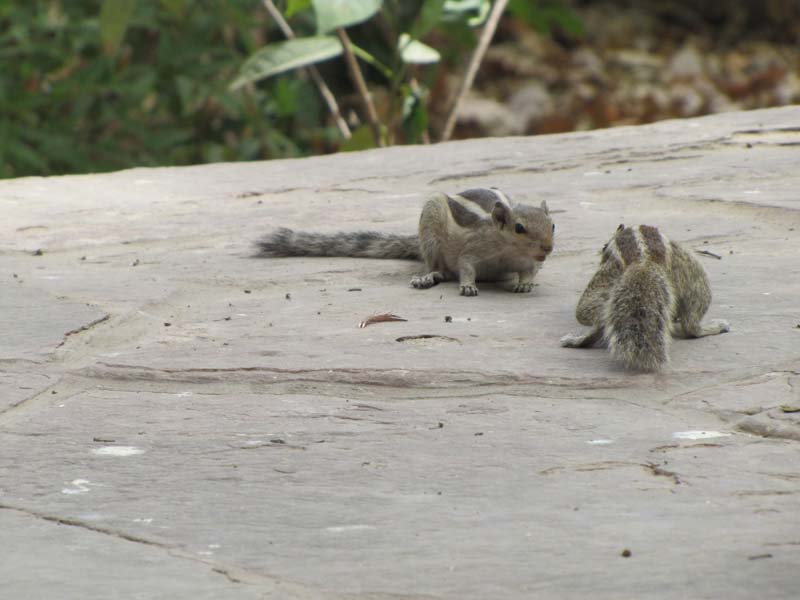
x=478 y=234
x=646 y=288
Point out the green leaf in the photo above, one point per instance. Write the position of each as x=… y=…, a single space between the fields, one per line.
x=294 y=6
x=428 y=16
x=459 y=8
x=285 y=96
x=414 y=52
x=176 y=7
x=371 y=60
x=362 y=139
x=543 y=15
x=415 y=117
x=284 y=56
x=332 y=14
x=114 y=18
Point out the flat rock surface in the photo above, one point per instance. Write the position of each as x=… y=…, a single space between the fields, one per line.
x=181 y=420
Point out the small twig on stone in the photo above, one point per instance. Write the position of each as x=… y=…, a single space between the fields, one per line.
x=709 y=253
x=361 y=86
x=472 y=70
x=382 y=318
x=313 y=72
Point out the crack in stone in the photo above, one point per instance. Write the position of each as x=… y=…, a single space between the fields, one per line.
x=758 y=427
x=233 y=574
x=83 y=328
x=267 y=192
x=82 y=525
x=666 y=447
x=648 y=159
x=662 y=472
x=377 y=377
x=748 y=378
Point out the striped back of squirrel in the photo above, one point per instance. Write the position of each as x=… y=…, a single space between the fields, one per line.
x=638 y=312
x=632 y=244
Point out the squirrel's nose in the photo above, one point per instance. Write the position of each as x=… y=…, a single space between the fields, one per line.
x=547 y=248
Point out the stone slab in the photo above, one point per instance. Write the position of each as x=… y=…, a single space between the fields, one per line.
x=171 y=405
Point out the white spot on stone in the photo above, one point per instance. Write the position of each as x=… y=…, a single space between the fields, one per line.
x=344 y=528
x=752 y=192
x=92 y=517
x=591 y=173
x=117 y=451
x=147 y=520
x=78 y=486
x=698 y=435
x=600 y=442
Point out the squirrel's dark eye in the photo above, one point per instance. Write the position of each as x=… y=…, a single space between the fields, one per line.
x=554 y=227
x=520 y=228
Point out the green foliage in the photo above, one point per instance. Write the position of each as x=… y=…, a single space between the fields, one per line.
x=89 y=85
x=332 y=14
x=284 y=56
x=98 y=85
x=114 y=18
x=293 y=6
x=475 y=11
x=392 y=54
x=428 y=16
x=544 y=15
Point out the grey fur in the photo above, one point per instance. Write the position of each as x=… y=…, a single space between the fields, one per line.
x=645 y=288
x=359 y=244
x=485 y=197
x=458 y=239
x=637 y=318
x=462 y=214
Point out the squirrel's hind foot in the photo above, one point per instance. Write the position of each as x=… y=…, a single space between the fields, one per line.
x=522 y=288
x=721 y=325
x=576 y=340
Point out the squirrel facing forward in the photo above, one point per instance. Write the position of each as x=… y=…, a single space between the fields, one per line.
x=646 y=288
x=477 y=234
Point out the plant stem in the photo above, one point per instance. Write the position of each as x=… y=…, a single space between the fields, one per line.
x=313 y=72
x=472 y=70
x=361 y=86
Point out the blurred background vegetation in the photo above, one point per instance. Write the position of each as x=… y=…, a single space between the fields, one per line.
x=89 y=86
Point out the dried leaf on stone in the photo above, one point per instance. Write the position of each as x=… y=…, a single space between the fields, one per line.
x=381 y=318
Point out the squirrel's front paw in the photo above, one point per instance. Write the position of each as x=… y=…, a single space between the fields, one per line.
x=523 y=288
x=468 y=290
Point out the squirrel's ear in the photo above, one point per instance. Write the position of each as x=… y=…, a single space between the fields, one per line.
x=543 y=206
x=621 y=227
x=500 y=214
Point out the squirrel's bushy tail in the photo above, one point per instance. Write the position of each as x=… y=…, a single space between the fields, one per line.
x=637 y=317
x=358 y=244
